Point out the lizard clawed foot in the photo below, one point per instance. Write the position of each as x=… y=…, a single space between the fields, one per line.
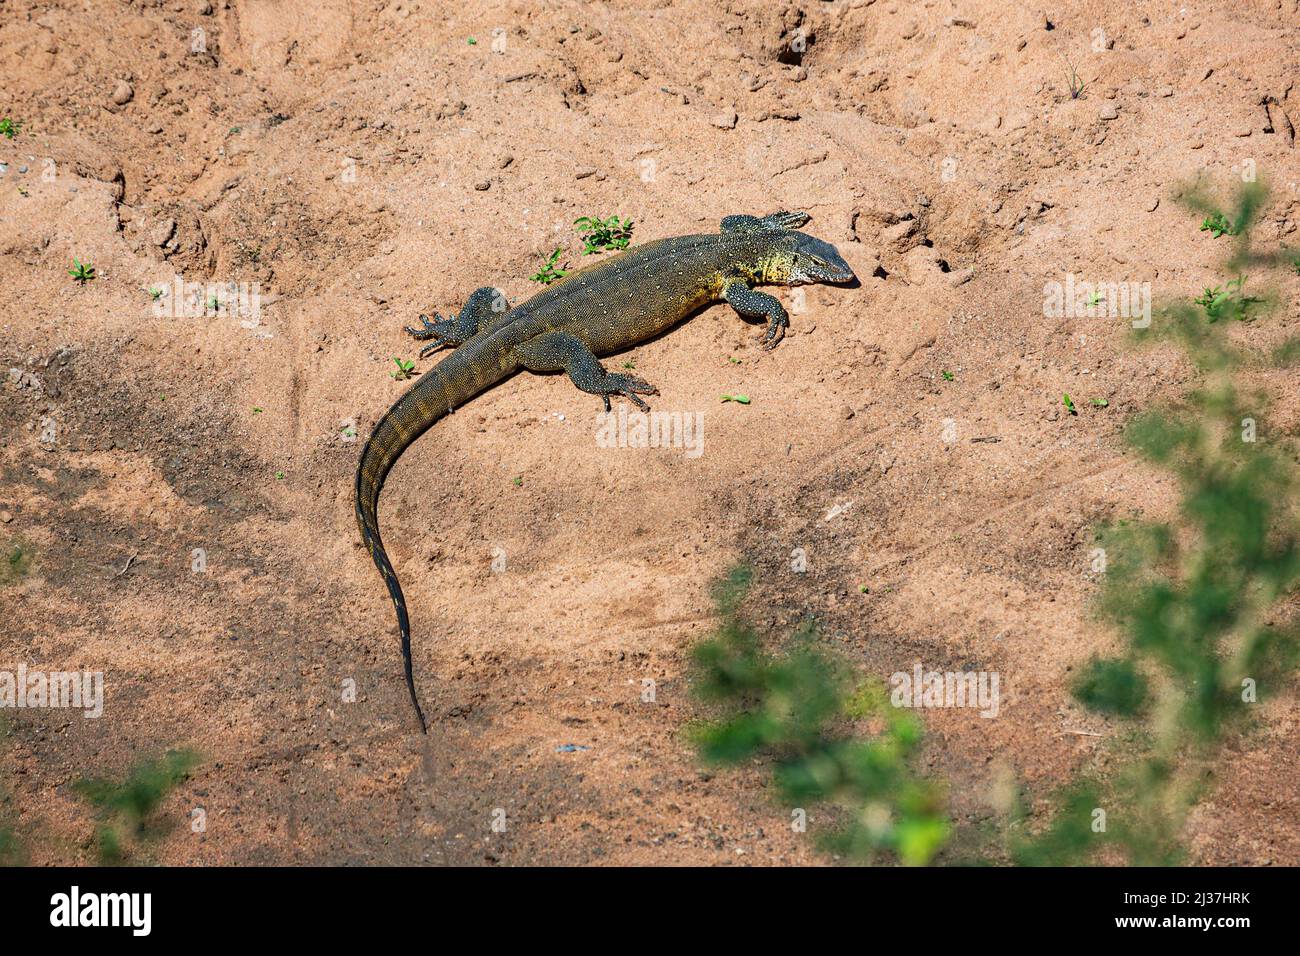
x=776 y=327
x=442 y=331
x=429 y=330
x=628 y=386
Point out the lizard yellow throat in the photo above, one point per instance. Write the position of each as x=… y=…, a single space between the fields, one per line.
x=605 y=308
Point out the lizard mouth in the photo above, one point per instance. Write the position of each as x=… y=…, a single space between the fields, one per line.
x=825 y=264
x=834 y=272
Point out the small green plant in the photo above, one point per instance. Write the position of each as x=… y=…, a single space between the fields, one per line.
x=17 y=561
x=1216 y=224
x=549 y=272
x=125 y=808
x=405 y=368
x=472 y=41
x=601 y=235
x=11 y=851
x=1228 y=301
x=1111 y=686
x=1069 y=404
x=8 y=128
x=1100 y=403
x=797 y=710
x=279 y=476
x=517 y=481
x=1073 y=82
x=83 y=272
x=629 y=364
x=947 y=375
x=738 y=399
x=155 y=293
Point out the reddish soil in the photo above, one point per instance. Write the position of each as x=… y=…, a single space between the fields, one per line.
x=363 y=162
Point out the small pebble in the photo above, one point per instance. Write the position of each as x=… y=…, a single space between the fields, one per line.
x=122 y=93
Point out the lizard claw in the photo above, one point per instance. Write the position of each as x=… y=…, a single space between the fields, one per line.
x=630 y=387
x=441 y=331
x=429 y=330
x=775 y=332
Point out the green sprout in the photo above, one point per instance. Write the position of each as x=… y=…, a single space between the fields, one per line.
x=1228 y=301
x=1100 y=403
x=83 y=272
x=548 y=273
x=16 y=562
x=405 y=368
x=1073 y=81
x=517 y=481
x=947 y=375
x=8 y=128
x=155 y=293
x=1069 y=404
x=1217 y=225
x=738 y=399
x=601 y=235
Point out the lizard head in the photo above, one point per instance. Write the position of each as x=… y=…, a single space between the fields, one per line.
x=806 y=259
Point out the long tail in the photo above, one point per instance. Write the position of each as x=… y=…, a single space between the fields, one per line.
x=471 y=369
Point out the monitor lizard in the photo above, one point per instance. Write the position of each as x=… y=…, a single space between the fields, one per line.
x=605 y=308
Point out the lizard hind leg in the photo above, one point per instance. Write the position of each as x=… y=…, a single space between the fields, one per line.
x=562 y=352
x=480 y=309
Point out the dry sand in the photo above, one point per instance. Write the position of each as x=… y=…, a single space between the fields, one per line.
x=363 y=162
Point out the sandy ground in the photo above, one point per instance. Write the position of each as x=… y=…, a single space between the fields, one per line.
x=362 y=162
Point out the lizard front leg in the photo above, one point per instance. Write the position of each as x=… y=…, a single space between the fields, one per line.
x=481 y=307
x=560 y=351
x=752 y=304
